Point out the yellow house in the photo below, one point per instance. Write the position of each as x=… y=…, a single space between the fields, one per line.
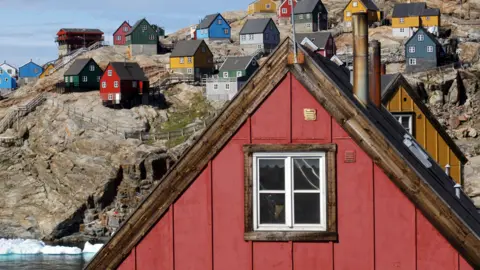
x=192 y=57
x=262 y=6
x=365 y=6
x=408 y=17
x=408 y=108
x=47 y=69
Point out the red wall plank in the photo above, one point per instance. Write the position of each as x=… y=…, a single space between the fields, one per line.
x=313 y=256
x=355 y=249
x=155 y=251
x=337 y=131
x=272 y=256
x=433 y=250
x=464 y=264
x=129 y=262
x=193 y=226
x=229 y=248
x=243 y=133
x=305 y=131
x=394 y=225
x=272 y=119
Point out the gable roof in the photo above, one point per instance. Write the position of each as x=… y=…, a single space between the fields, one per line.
x=402 y=10
x=373 y=129
x=5 y=73
x=30 y=63
x=208 y=20
x=426 y=33
x=390 y=84
x=255 y=26
x=307 y=6
x=236 y=62
x=129 y=71
x=137 y=24
x=186 y=47
x=367 y=3
x=124 y=22
x=77 y=66
x=318 y=38
x=5 y=63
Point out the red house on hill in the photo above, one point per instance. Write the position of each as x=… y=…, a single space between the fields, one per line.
x=119 y=36
x=122 y=83
x=284 y=12
x=300 y=171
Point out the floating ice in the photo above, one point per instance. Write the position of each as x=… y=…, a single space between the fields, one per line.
x=30 y=247
x=89 y=248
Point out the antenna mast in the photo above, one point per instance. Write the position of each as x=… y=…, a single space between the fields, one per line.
x=293 y=32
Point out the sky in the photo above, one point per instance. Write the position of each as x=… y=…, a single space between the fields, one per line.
x=30 y=26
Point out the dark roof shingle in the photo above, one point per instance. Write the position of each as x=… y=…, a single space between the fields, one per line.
x=207 y=21
x=186 y=48
x=77 y=66
x=129 y=71
x=255 y=26
x=402 y=10
x=82 y=30
x=318 y=38
x=307 y=6
x=236 y=63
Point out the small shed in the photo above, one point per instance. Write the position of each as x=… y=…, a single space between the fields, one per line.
x=83 y=74
x=119 y=36
x=285 y=9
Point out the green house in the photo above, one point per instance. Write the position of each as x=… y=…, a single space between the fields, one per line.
x=83 y=74
x=238 y=67
x=160 y=31
x=142 y=33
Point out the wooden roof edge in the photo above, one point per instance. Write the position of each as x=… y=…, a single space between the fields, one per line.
x=193 y=161
x=385 y=155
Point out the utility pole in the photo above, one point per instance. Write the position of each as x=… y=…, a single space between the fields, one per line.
x=293 y=32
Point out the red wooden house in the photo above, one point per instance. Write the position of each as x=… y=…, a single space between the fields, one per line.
x=322 y=43
x=300 y=171
x=284 y=12
x=122 y=83
x=119 y=36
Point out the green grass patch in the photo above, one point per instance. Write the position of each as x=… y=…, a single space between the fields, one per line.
x=174 y=142
x=185 y=115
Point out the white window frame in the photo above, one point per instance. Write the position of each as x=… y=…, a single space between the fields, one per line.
x=71 y=79
x=104 y=84
x=421 y=37
x=119 y=38
x=125 y=29
x=6 y=79
x=84 y=79
x=144 y=28
x=239 y=73
x=355 y=4
x=427 y=18
x=109 y=73
x=189 y=59
x=189 y=71
x=134 y=83
x=115 y=84
x=92 y=67
x=182 y=60
x=227 y=86
x=300 y=16
x=203 y=49
x=284 y=10
x=308 y=16
x=402 y=30
x=110 y=96
x=151 y=37
x=349 y=14
x=308 y=25
x=215 y=86
x=226 y=31
x=1 y=71
x=429 y=49
x=289 y=192
x=225 y=74
x=411 y=49
x=219 y=21
x=268 y=6
x=99 y=78
x=412 y=61
x=243 y=37
x=402 y=20
x=399 y=117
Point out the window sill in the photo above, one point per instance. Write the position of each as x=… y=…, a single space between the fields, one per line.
x=291 y=236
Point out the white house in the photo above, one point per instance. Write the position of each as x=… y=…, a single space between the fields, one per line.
x=11 y=70
x=259 y=34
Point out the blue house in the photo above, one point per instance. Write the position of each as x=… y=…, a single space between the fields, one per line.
x=213 y=26
x=30 y=70
x=422 y=51
x=7 y=81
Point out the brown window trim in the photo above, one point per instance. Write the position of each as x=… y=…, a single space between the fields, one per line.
x=331 y=233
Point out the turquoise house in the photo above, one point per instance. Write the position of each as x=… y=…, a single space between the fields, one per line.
x=7 y=82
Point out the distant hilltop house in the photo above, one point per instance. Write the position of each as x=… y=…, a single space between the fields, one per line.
x=232 y=75
x=11 y=70
x=259 y=34
x=123 y=83
x=83 y=74
x=7 y=81
x=422 y=51
x=159 y=30
x=119 y=36
x=29 y=73
x=322 y=43
x=367 y=6
x=409 y=110
x=213 y=26
x=47 y=70
x=72 y=39
x=408 y=17
x=192 y=57
x=193 y=31
x=142 y=39
x=262 y=6
x=285 y=9
x=310 y=16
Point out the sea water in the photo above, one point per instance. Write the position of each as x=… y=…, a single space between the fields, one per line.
x=30 y=254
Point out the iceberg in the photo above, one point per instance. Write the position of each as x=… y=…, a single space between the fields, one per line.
x=89 y=248
x=32 y=247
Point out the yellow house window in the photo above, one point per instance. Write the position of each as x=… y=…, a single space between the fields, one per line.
x=349 y=14
x=428 y=18
x=402 y=20
x=267 y=6
x=189 y=59
x=182 y=60
x=355 y=4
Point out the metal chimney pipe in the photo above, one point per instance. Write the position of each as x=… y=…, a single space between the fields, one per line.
x=375 y=76
x=360 y=57
x=384 y=69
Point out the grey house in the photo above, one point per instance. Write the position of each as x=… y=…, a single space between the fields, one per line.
x=422 y=51
x=310 y=16
x=260 y=34
x=233 y=74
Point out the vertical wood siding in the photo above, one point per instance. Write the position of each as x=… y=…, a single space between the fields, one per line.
x=379 y=228
x=426 y=134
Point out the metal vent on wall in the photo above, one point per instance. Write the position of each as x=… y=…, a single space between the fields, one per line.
x=350 y=157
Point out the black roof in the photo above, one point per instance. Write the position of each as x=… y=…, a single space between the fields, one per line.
x=402 y=10
x=318 y=38
x=186 y=47
x=394 y=133
x=255 y=26
x=82 y=30
x=307 y=6
x=387 y=81
x=129 y=71
x=236 y=63
x=208 y=20
x=428 y=34
x=124 y=22
x=77 y=66
x=368 y=3
x=136 y=25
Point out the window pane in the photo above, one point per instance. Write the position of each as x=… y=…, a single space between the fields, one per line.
x=306 y=174
x=272 y=174
x=406 y=122
x=307 y=208
x=272 y=208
